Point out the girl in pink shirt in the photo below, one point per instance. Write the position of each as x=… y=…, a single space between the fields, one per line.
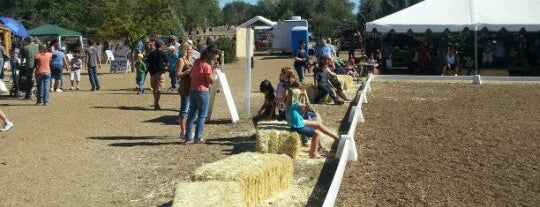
x=202 y=76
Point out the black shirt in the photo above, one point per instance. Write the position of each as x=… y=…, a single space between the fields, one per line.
x=156 y=60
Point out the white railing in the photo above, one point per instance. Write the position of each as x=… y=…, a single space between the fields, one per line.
x=347 y=147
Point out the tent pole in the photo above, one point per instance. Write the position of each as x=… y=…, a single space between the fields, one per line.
x=59 y=43
x=475 y=51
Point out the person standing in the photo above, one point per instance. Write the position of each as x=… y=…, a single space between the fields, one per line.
x=75 y=74
x=157 y=64
x=173 y=57
x=183 y=70
x=28 y=55
x=140 y=68
x=43 y=75
x=301 y=60
x=202 y=76
x=92 y=55
x=7 y=124
x=59 y=62
x=15 y=62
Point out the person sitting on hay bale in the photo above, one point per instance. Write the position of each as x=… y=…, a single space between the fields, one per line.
x=323 y=77
x=307 y=128
x=287 y=76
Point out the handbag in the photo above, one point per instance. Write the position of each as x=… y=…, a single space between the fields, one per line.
x=184 y=83
x=3 y=88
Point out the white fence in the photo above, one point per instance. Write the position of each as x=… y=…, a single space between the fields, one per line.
x=347 y=147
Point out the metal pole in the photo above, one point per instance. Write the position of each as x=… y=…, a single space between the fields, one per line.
x=248 y=73
x=475 y=51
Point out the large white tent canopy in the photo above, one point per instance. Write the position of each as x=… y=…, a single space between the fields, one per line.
x=456 y=15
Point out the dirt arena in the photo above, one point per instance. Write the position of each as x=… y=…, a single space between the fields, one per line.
x=110 y=148
x=447 y=145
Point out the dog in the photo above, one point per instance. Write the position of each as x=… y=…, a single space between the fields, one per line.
x=267 y=110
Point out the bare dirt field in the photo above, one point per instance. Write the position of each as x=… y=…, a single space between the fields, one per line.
x=110 y=148
x=427 y=144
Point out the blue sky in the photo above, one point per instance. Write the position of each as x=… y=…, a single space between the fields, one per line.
x=223 y=2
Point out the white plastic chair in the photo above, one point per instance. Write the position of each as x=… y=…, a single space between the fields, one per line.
x=110 y=56
x=69 y=56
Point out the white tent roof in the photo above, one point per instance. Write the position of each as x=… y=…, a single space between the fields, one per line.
x=258 y=18
x=456 y=15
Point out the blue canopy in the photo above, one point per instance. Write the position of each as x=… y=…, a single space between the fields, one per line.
x=16 y=27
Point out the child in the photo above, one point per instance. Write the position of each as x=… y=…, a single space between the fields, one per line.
x=286 y=77
x=351 y=67
x=307 y=128
x=75 y=74
x=324 y=85
x=141 y=71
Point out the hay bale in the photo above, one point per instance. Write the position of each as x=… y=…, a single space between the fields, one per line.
x=346 y=81
x=259 y=175
x=312 y=92
x=208 y=194
x=276 y=137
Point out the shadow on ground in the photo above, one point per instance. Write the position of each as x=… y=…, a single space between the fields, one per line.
x=139 y=141
x=133 y=108
x=330 y=165
x=236 y=145
x=164 y=120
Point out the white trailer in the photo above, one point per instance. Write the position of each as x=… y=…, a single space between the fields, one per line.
x=281 y=33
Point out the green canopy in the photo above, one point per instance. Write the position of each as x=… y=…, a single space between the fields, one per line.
x=52 y=30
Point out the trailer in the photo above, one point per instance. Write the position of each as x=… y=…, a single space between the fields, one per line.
x=283 y=34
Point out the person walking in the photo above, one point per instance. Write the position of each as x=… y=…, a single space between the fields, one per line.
x=15 y=62
x=157 y=65
x=94 y=63
x=43 y=75
x=28 y=55
x=173 y=58
x=140 y=68
x=202 y=76
x=7 y=124
x=75 y=75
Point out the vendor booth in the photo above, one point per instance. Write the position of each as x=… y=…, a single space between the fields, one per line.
x=63 y=35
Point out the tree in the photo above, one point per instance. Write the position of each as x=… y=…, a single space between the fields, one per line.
x=235 y=13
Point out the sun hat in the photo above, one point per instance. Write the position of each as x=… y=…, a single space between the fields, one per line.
x=189 y=42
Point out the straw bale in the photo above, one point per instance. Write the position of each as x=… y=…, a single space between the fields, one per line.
x=312 y=92
x=208 y=194
x=276 y=137
x=260 y=176
x=346 y=81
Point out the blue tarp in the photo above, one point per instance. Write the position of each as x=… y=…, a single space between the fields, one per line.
x=16 y=27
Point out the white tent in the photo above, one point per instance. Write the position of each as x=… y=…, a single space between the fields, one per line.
x=456 y=15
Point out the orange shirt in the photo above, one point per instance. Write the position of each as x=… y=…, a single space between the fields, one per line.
x=199 y=71
x=43 y=62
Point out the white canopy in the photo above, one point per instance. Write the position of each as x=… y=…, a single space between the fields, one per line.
x=456 y=15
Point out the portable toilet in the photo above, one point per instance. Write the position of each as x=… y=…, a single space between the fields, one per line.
x=299 y=33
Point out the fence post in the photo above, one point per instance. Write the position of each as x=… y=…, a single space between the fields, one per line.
x=341 y=144
x=477 y=80
x=353 y=154
x=361 y=116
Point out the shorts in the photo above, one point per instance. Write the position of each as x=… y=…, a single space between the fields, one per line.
x=306 y=131
x=75 y=75
x=156 y=81
x=56 y=72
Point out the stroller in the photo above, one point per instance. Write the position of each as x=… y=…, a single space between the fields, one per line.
x=19 y=81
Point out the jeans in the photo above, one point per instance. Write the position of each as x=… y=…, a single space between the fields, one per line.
x=29 y=84
x=300 y=71
x=140 y=81
x=2 y=68
x=15 y=74
x=43 y=82
x=324 y=89
x=172 y=75
x=184 y=106
x=92 y=75
x=198 y=103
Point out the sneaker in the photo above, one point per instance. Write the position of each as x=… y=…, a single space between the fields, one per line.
x=77 y=88
x=8 y=125
x=71 y=88
x=59 y=90
x=51 y=90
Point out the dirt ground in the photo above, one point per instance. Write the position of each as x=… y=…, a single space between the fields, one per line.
x=110 y=148
x=426 y=144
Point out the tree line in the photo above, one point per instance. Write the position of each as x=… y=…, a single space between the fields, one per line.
x=133 y=18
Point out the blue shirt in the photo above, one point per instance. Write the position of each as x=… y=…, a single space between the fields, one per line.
x=324 y=50
x=58 y=58
x=295 y=116
x=172 y=61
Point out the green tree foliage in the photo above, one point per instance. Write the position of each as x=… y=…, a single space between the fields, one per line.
x=228 y=47
x=237 y=12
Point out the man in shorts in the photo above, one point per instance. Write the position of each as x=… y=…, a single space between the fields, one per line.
x=157 y=65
